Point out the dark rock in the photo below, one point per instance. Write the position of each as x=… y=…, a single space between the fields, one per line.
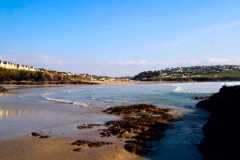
x=134 y=147
x=84 y=143
x=105 y=133
x=197 y=98
x=140 y=124
x=222 y=129
x=39 y=135
x=88 y=126
x=35 y=134
x=77 y=150
x=44 y=136
x=133 y=109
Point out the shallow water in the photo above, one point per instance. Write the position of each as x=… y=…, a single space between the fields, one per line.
x=180 y=141
x=26 y=111
x=59 y=110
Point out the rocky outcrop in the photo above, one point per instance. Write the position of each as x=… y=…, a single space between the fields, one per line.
x=83 y=144
x=222 y=129
x=139 y=124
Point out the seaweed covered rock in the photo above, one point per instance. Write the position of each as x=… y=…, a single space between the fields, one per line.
x=139 y=124
x=222 y=129
x=137 y=108
x=83 y=144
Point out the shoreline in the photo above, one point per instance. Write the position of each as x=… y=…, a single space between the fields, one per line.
x=60 y=147
x=10 y=86
x=55 y=140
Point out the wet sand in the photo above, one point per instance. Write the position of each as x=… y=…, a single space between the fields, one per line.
x=29 y=148
x=59 y=146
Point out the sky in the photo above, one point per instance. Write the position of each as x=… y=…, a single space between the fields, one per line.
x=119 y=37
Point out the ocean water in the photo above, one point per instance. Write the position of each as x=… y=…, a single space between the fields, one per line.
x=167 y=94
x=58 y=110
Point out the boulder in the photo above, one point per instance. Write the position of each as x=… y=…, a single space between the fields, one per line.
x=222 y=130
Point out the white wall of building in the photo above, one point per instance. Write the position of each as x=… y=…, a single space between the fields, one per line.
x=9 y=65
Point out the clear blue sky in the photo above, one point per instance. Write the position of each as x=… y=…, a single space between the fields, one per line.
x=119 y=37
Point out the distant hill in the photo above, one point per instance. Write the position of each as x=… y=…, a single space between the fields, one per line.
x=193 y=73
x=42 y=76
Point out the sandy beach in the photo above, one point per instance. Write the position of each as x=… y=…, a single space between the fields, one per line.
x=63 y=148
x=75 y=131
x=59 y=146
x=29 y=148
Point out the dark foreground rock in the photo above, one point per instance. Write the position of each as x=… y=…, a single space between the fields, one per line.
x=222 y=130
x=139 y=124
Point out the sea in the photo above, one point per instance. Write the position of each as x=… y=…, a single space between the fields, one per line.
x=58 y=110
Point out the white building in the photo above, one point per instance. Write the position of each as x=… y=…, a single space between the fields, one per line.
x=9 y=65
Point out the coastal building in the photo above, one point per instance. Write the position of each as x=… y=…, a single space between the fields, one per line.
x=10 y=65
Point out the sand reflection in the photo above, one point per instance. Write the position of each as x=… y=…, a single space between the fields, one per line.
x=7 y=113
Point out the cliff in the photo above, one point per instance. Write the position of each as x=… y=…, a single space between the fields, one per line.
x=222 y=128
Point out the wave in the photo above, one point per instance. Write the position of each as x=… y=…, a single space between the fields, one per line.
x=230 y=83
x=64 y=101
x=178 y=89
x=202 y=87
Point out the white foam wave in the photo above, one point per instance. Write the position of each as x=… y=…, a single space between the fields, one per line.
x=64 y=101
x=80 y=104
x=230 y=83
x=203 y=87
x=178 y=89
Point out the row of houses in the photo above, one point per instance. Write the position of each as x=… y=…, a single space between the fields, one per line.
x=10 y=65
